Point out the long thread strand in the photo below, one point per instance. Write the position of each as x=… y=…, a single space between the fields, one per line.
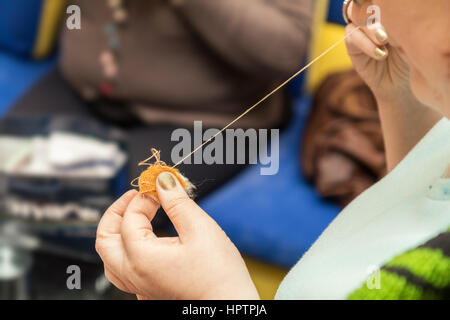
x=266 y=97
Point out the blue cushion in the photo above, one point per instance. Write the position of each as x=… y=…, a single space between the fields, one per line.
x=19 y=23
x=274 y=218
x=335 y=12
x=17 y=75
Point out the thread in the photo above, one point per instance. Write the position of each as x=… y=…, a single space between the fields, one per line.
x=267 y=96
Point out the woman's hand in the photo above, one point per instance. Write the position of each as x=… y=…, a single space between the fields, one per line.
x=382 y=66
x=201 y=263
x=385 y=69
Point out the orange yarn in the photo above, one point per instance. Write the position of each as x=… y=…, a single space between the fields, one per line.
x=147 y=179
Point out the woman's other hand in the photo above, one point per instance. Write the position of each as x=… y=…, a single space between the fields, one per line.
x=382 y=66
x=201 y=263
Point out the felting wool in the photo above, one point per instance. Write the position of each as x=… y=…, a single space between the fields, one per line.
x=147 y=179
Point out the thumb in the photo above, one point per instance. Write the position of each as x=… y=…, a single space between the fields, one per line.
x=186 y=216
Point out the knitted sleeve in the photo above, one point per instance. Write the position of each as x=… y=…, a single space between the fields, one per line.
x=419 y=274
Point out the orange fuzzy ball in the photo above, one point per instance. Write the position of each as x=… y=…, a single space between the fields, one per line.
x=147 y=180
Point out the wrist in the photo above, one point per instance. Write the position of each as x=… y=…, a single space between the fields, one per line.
x=404 y=122
x=399 y=104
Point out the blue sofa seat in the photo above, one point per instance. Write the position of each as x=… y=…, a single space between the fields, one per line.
x=17 y=75
x=274 y=218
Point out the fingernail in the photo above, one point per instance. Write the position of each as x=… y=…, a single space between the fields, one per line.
x=380 y=53
x=381 y=35
x=166 y=181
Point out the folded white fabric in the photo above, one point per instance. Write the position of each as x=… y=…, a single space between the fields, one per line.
x=68 y=150
x=37 y=163
x=63 y=154
x=13 y=151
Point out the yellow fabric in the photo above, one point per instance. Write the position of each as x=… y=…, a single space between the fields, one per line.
x=266 y=277
x=51 y=14
x=324 y=35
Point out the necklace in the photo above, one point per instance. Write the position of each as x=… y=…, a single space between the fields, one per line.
x=109 y=58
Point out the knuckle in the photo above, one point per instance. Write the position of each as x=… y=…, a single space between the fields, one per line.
x=123 y=229
x=141 y=208
x=350 y=36
x=176 y=205
x=99 y=245
x=138 y=270
x=348 y=40
x=101 y=238
x=101 y=234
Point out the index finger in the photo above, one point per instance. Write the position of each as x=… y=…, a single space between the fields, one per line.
x=112 y=218
x=108 y=242
x=137 y=219
x=368 y=18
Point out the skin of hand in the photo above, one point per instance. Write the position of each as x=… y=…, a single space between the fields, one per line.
x=381 y=55
x=200 y=263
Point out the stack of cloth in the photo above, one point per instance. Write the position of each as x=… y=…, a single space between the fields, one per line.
x=60 y=177
x=61 y=154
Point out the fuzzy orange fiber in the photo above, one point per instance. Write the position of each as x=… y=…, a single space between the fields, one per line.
x=147 y=180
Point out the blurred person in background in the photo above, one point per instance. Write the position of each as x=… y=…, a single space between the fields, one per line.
x=154 y=66
x=392 y=242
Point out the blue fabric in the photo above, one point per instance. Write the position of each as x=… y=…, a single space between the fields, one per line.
x=335 y=12
x=19 y=23
x=274 y=218
x=16 y=76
